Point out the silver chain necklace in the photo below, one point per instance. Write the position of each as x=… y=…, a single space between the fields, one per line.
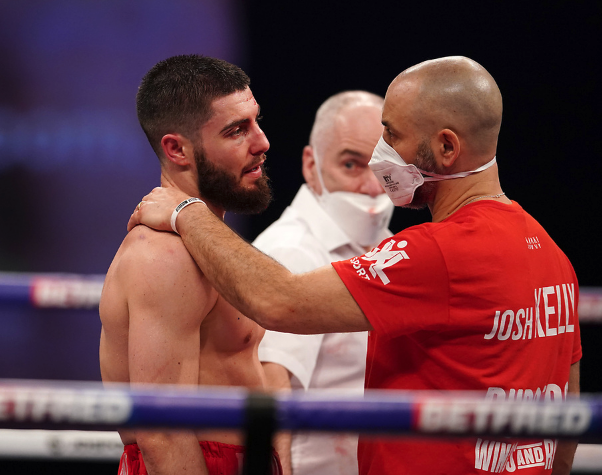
x=485 y=196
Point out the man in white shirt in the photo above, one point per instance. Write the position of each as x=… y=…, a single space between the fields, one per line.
x=339 y=213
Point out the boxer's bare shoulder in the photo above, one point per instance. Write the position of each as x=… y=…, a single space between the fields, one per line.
x=154 y=292
x=164 y=324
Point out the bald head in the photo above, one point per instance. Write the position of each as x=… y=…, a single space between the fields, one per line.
x=333 y=111
x=453 y=93
x=345 y=131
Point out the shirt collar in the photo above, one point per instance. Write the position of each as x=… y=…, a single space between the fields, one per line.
x=322 y=226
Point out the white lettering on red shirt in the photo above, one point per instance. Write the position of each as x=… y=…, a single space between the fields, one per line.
x=554 y=307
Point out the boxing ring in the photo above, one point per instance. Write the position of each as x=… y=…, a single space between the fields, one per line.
x=78 y=420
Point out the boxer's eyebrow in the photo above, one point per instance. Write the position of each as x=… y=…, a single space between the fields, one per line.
x=236 y=123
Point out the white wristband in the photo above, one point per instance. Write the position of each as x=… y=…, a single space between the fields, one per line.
x=179 y=208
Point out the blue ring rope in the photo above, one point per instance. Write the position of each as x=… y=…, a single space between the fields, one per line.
x=83 y=291
x=90 y=406
x=51 y=290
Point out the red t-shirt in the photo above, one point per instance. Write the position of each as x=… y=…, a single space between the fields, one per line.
x=483 y=300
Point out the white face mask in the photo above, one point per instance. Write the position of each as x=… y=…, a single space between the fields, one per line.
x=399 y=179
x=360 y=216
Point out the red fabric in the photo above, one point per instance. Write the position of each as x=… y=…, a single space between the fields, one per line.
x=434 y=295
x=221 y=459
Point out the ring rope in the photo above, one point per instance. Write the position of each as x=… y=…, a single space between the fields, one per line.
x=83 y=291
x=106 y=446
x=90 y=406
x=96 y=446
x=51 y=290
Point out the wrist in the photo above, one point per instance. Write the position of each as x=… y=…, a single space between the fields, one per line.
x=179 y=208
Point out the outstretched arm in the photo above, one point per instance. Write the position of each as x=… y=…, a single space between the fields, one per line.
x=257 y=285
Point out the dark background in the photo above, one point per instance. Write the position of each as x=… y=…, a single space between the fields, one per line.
x=543 y=55
x=74 y=163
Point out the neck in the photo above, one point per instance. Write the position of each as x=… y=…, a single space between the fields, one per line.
x=452 y=195
x=185 y=182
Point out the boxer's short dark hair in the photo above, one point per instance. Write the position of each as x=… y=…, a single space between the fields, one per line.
x=175 y=96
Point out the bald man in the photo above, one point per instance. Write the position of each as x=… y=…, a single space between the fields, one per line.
x=479 y=299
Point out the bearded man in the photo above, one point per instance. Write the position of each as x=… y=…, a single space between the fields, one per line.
x=162 y=321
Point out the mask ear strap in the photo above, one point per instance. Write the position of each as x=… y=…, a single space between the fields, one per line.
x=319 y=171
x=436 y=177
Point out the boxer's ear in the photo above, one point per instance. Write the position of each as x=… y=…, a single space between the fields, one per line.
x=177 y=149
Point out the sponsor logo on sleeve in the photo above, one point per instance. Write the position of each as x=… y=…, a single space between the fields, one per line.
x=391 y=253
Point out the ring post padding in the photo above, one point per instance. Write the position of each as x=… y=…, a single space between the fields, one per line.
x=260 y=425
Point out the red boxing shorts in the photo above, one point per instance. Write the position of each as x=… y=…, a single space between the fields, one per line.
x=221 y=459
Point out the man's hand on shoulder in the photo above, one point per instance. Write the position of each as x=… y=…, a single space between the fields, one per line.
x=156 y=208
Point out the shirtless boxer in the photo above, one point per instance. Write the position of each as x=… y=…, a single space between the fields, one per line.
x=162 y=321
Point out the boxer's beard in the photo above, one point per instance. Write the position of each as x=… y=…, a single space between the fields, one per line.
x=222 y=188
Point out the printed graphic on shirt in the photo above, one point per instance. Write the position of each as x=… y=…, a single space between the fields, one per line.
x=550 y=392
x=533 y=242
x=496 y=456
x=553 y=314
x=391 y=253
x=491 y=415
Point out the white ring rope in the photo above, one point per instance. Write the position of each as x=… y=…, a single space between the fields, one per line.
x=60 y=444
x=107 y=446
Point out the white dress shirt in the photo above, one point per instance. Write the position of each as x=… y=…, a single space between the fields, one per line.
x=302 y=239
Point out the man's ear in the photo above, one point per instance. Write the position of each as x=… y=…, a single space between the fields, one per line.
x=177 y=149
x=308 y=168
x=448 y=147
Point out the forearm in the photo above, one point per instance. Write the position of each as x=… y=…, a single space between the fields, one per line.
x=171 y=453
x=255 y=284
x=261 y=288
x=229 y=263
x=563 y=459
